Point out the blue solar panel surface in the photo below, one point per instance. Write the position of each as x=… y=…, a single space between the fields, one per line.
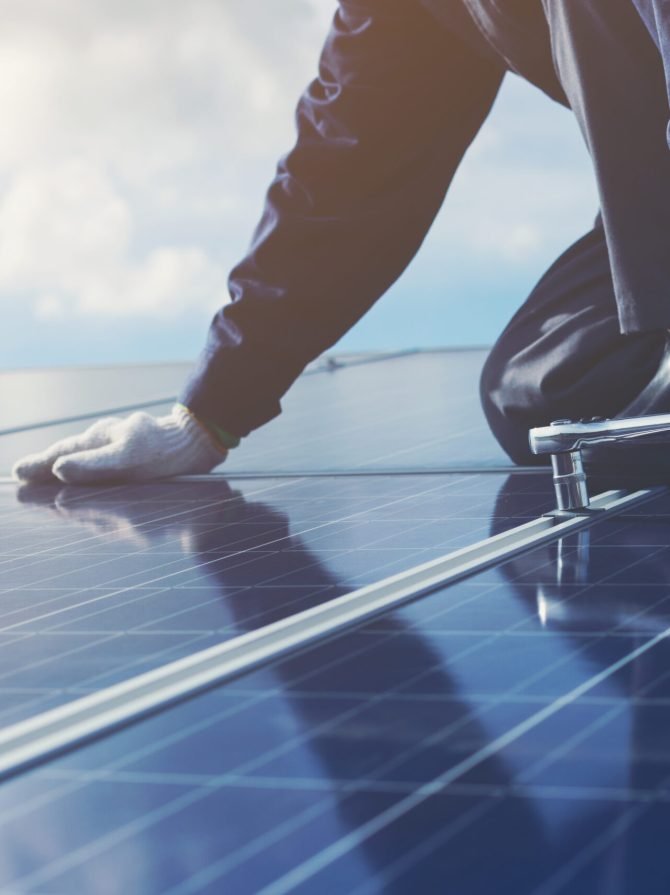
x=32 y=397
x=507 y=734
x=418 y=411
x=99 y=584
x=504 y=735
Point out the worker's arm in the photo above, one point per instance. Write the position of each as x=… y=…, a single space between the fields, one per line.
x=381 y=131
x=380 y=134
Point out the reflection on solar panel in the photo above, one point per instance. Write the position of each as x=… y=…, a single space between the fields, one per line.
x=479 y=735
x=123 y=579
x=505 y=734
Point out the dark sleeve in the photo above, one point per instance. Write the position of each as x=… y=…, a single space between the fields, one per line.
x=381 y=131
x=656 y=16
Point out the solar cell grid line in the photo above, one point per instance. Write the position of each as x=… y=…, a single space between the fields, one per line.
x=167 y=607
x=77 y=496
x=82 y=496
x=331 y=555
x=51 y=731
x=348 y=518
x=347 y=420
x=60 y=545
x=103 y=390
x=313 y=866
x=463 y=834
x=373 y=396
x=265 y=460
x=362 y=425
x=575 y=582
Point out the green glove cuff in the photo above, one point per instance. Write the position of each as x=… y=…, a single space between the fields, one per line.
x=227 y=440
x=223 y=438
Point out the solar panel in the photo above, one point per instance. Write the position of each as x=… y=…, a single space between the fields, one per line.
x=100 y=584
x=417 y=412
x=420 y=411
x=506 y=734
x=33 y=397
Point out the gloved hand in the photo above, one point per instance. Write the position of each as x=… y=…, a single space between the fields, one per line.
x=138 y=448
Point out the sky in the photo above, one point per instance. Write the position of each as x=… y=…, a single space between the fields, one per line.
x=139 y=137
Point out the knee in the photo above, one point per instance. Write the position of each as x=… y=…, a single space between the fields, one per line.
x=511 y=409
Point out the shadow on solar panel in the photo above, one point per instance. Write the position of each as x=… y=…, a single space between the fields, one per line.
x=522 y=712
x=100 y=585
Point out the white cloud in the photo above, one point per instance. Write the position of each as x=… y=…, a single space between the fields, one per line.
x=59 y=222
x=516 y=212
x=526 y=189
x=127 y=128
x=138 y=138
x=144 y=87
x=49 y=307
x=66 y=237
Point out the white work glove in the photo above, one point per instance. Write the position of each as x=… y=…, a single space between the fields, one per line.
x=138 y=448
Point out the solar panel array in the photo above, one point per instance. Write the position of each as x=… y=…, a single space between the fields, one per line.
x=100 y=584
x=417 y=411
x=504 y=734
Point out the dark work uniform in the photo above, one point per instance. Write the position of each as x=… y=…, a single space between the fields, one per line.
x=656 y=16
x=403 y=88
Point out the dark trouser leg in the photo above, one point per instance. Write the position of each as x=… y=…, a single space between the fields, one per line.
x=612 y=73
x=562 y=354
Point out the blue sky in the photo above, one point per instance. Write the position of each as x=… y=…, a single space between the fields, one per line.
x=138 y=140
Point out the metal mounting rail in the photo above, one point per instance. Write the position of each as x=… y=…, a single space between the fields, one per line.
x=365 y=471
x=34 y=740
